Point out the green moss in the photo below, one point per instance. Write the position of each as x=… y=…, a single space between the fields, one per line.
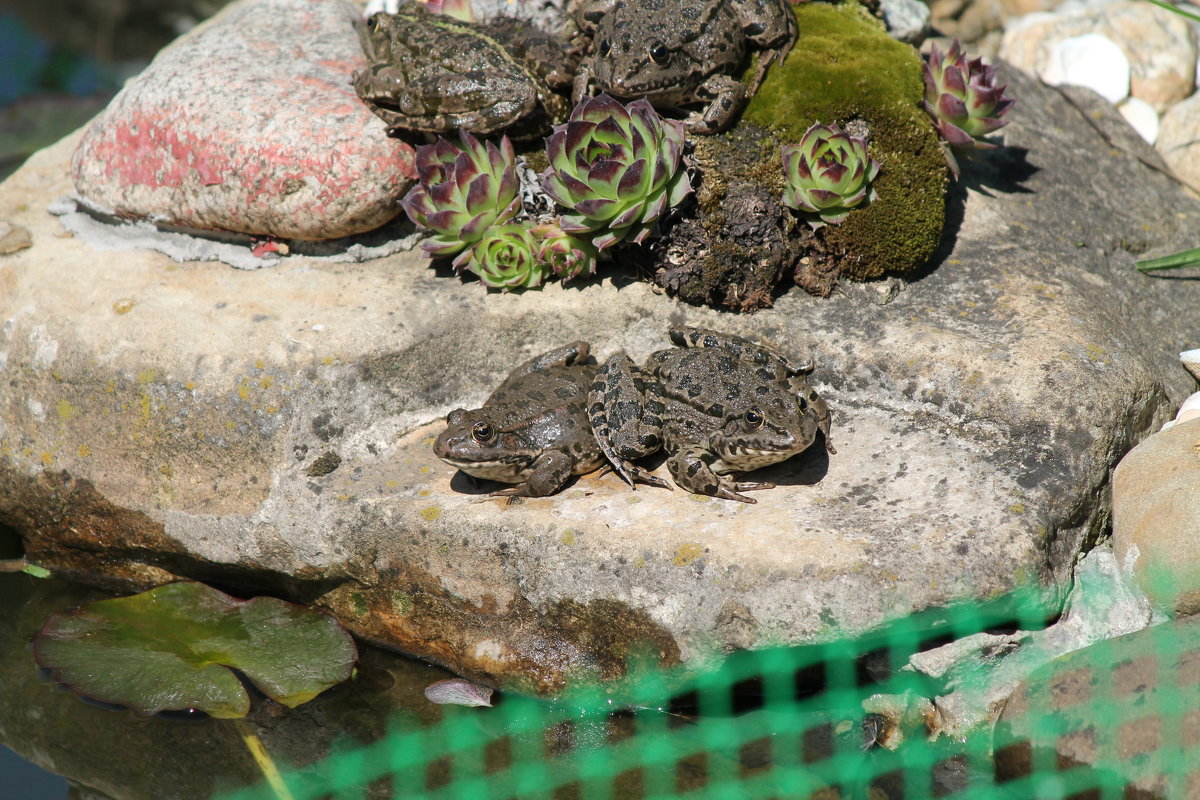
x=845 y=67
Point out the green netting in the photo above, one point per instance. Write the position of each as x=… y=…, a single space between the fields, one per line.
x=788 y=723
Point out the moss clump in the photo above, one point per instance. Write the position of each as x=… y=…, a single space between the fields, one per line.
x=846 y=69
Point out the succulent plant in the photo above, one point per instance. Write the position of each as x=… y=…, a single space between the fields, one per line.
x=566 y=255
x=461 y=192
x=963 y=99
x=828 y=173
x=506 y=257
x=616 y=168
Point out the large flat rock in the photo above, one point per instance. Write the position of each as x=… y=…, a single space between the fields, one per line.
x=161 y=419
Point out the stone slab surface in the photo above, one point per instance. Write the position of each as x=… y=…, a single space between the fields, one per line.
x=161 y=419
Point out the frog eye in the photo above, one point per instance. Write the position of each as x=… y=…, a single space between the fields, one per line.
x=754 y=418
x=605 y=47
x=659 y=54
x=483 y=432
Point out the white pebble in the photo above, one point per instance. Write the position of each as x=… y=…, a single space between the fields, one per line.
x=1090 y=60
x=1141 y=116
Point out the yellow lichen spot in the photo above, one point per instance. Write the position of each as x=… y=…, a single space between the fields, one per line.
x=1095 y=353
x=568 y=537
x=111 y=387
x=424 y=469
x=147 y=375
x=266 y=381
x=424 y=493
x=83 y=451
x=230 y=424
x=327 y=361
x=167 y=471
x=443 y=549
x=259 y=364
x=271 y=410
x=954 y=262
x=429 y=440
x=56 y=375
x=144 y=406
x=65 y=409
x=1017 y=508
x=190 y=385
x=687 y=553
x=697 y=498
x=962 y=313
x=124 y=305
x=974 y=378
x=430 y=513
x=632 y=498
x=244 y=390
x=392 y=484
x=639 y=562
x=402 y=603
x=47 y=458
x=971 y=304
x=343 y=498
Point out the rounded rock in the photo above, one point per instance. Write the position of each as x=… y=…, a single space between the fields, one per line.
x=1142 y=117
x=1091 y=60
x=249 y=125
x=1155 y=516
x=1179 y=140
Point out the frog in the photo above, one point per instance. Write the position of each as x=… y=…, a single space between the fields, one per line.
x=533 y=430
x=433 y=74
x=718 y=404
x=676 y=52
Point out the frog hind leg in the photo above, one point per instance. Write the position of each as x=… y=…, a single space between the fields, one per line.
x=550 y=472
x=692 y=471
x=625 y=410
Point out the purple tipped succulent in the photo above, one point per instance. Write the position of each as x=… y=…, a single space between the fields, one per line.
x=566 y=255
x=828 y=173
x=616 y=168
x=506 y=257
x=461 y=192
x=963 y=98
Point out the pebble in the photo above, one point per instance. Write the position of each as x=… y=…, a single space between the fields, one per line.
x=1179 y=140
x=249 y=125
x=907 y=20
x=1093 y=61
x=1142 y=117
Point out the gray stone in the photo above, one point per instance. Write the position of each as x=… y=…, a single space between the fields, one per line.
x=907 y=20
x=1156 y=514
x=284 y=147
x=161 y=419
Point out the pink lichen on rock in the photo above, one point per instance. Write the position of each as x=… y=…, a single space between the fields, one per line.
x=250 y=124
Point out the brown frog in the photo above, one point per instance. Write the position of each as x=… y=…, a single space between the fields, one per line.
x=533 y=430
x=675 y=52
x=432 y=73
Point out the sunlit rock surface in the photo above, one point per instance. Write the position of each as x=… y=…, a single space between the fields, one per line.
x=161 y=419
x=250 y=124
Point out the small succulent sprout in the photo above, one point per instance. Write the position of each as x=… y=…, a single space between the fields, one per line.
x=828 y=173
x=617 y=168
x=505 y=258
x=462 y=192
x=566 y=255
x=964 y=99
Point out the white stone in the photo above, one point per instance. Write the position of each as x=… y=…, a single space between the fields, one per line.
x=1142 y=117
x=1091 y=60
x=907 y=20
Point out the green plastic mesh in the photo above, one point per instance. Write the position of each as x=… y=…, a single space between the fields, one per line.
x=774 y=723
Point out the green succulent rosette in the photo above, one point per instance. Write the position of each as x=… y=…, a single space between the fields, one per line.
x=462 y=192
x=616 y=168
x=505 y=257
x=828 y=174
x=567 y=256
x=964 y=99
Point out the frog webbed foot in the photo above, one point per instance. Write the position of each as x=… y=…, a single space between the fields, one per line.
x=726 y=97
x=625 y=410
x=692 y=471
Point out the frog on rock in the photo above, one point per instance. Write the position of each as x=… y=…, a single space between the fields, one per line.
x=533 y=431
x=719 y=404
x=675 y=52
x=428 y=72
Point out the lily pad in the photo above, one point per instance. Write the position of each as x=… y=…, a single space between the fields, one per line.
x=176 y=647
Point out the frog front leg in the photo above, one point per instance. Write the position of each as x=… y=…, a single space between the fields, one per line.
x=727 y=98
x=692 y=469
x=549 y=473
x=625 y=409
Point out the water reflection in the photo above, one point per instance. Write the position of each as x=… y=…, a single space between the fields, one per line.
x=121 y=755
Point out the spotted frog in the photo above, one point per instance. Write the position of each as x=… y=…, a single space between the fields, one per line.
x=533 y=431
x=718 y=404
x=432 y=73
x=675 y=52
